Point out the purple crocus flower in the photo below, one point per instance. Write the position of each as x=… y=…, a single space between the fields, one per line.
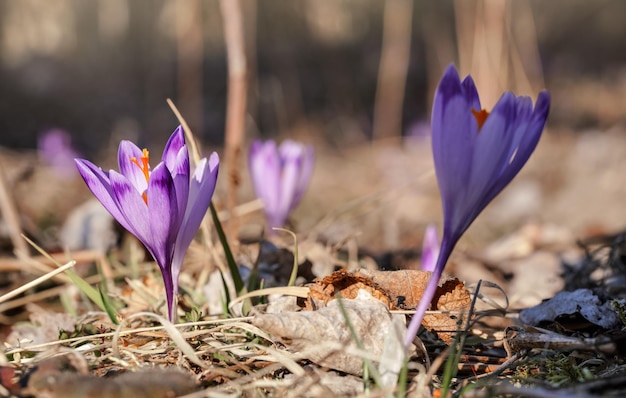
x=55 y=150
x=430 y=248
x=280 y=176
x=476 y=155
x=162 y=206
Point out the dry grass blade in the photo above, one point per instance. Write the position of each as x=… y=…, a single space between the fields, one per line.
x=120 y=333
x=36 y=282
x=171 y=330
x=297 y=291
x=195 y=158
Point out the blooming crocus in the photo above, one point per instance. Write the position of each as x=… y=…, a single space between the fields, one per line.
x=476 y=154
x=161 y=206
x=55 y=149
x=430 y=248
x=280 y=176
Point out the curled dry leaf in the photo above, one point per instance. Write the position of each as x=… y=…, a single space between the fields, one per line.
x=345 y=284
x=397 y=290
x=325 y=336
x=404 y=287
x=453 y=300
x=573 y=310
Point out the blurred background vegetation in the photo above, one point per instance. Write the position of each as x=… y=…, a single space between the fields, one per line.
x=336 y=71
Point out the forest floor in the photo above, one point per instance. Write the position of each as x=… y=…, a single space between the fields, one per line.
x=555 y=233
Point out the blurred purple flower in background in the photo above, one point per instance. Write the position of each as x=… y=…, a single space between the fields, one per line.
x=280 y=176
x=476 y=155
x=163 y=207
x=54 y=148
x=430 y=248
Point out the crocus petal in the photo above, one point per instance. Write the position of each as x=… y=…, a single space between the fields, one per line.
x=180 y=175
x=469 y=89
x=454 y=132
x=530 y=137
x=132 y=206
x=164 y=219
x=306 y=171
x=173 y=147
x=98 y=182
x=291 y=167
x=490 y=158
x=127 y=151
x=201 y=191
x=265 y=169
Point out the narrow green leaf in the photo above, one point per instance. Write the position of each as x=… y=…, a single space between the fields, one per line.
x=85 y=287
x=230 y=260
x=108 y=305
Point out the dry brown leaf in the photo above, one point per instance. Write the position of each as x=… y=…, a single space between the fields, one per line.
x=398 y=290
x=404 y=287
x=321 y=332
x=451 y=297
x=347 y=285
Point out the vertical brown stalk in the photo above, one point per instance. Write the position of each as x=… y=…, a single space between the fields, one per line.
x=236 y=106
x=190 y=53
x=392 y=71
x=12 y=219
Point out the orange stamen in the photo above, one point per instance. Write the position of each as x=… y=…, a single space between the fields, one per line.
x=480 y=116
x=144 y=167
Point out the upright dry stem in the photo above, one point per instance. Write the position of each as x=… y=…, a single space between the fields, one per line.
x=392 y=71
x=12 y=218
x=236 y=107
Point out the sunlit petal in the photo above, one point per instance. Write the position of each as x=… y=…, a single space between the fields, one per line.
x=128 y=168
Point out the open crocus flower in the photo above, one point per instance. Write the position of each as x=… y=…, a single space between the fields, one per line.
x=280 y=176
x=476 y=154
x=162 y=206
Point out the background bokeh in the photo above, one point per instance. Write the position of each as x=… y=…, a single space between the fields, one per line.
x=104 y=68
x=349 y=76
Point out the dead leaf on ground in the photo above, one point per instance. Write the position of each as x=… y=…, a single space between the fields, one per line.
x=404 y=287
x=398 y=290
x=345 y=284
x=324 y=335
x=451 y=299
x=568 y=308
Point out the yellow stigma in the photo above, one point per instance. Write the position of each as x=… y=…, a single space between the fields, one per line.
x=144 y=166
x=480 y=116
